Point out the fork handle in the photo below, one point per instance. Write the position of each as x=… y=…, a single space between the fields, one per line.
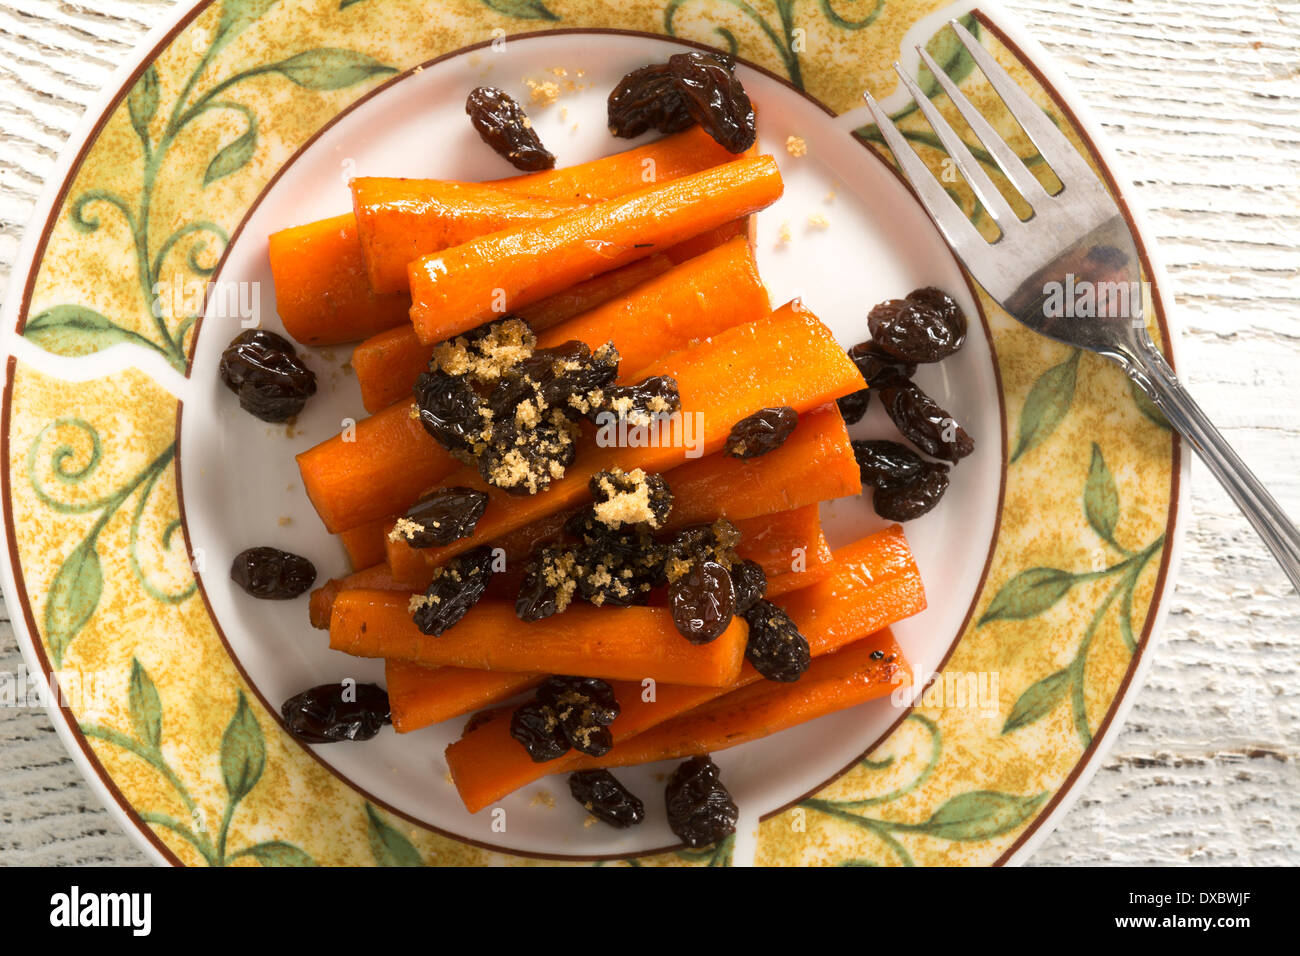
x=1151 y=373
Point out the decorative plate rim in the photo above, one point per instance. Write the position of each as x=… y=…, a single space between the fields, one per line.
x=1004 y=25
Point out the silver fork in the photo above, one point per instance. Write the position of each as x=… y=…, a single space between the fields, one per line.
x=1075 y=235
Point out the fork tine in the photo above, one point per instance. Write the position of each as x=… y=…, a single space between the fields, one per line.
x=1051 y=142
x=952 y=222
x=960 y=154
x=1010 y=164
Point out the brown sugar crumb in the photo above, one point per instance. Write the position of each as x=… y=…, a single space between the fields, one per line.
x=420 y=601
x=590 y=821
x=284 y=521
x=818 y=221
x=676 y=569
x=795 y=146
x=623 y=505
x=783 y=236
x=543 y=798
x=405 y=529
x=487 y=358
x=544 y=93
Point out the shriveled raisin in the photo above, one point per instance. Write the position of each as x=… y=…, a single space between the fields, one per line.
x=331 y=712
x=457 y=588
x=716 y=542
x=449 y=409
x=584 y=707
x=272 y=574
x=523 y=459
x=715 y=98
x=925 y=424
x=647 y=99
x=535 y=725
x=264 y=370
x=884 y=462
x=600 y=792
x=548 y=585
x=703 y=601
x=638 y=403
x=750 y=582
x=926 y=326
x=878 y=367
x=854 y=405
x=905 y=500
x=764 y=431
x=700 y=810
x=775 y=647
x=443 y=516
x=501 y=124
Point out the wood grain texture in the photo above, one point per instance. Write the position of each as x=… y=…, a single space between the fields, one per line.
x=1202 y=101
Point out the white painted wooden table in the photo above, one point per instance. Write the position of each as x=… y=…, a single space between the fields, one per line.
x=1203 y=102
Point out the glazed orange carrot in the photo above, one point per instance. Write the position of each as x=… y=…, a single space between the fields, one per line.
x=322 y=287
x=713 y=291
x=817 y=569
x=697 y=245
x=420 y=695
x=784 y=541
x=379 y=467
x=672 y=157
x=875 y=584
x=788 y=359
x=865 y=670
x=400 y=220
x=321 y=290
x=459 y=288
x=321 y=604
x=631 y=643
x=365 y=543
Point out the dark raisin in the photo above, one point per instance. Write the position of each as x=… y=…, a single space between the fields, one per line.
x=606 y=486
x=854 y=405
x=584 y=707
x=449 y=409
x=524 y=460
x=647 y=99
x=924 y=327
x=332 y=712
x=775 y=647
x=549 y=377
x=764 y=431
x=878 y=367
x=263 y=369
x=543 y=590
x=925 y=424
x=457 y=588
x=605 y=798
x=536 y=726
x=638 y=403
x=884 y=462
x=903 y=501
x=750 y=581
x=443 y=516
x=701 y=542
x=700 y=810
x=502 y=125
x=703 y=601
x=272 y=574
x=715 y=98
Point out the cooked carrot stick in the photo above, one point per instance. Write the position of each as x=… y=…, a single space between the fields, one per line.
x=365 y=543
x=802 y=367
x=863 y=671
x=322 y=287
x=698 y=245
x=817 y=569
x=631 y=643
x=420 y=695
x=713 y=291
x=376 y=469
x=321 y=290
x=875 y=584
x=672 y=157
x=400 y=220
x=459 y=288
x=784 y=541
x=321 y=604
